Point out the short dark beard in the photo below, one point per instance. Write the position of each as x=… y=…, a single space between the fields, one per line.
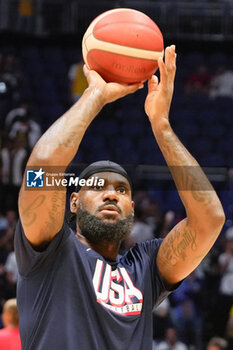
x=96 y=230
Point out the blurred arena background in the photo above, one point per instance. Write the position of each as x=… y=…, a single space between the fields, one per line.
x=40 y=78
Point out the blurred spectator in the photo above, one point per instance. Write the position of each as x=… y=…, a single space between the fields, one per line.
x=226 y=264
x=8 y=268
x=225 y=297
x=52 y=12
x=159 y=223
x=11 y=269
x=11 y=217
x=16 y=114
x=188 y=324
x=208 y=272
x=3 y=222
x=199 y=81
x=171 y=342
x=11 y=275
x=229 y=331
x=161 y=320
x=26 y=7
x=166 y=223
x=141 y=231
x=222 y=84
x=10 y=77
x=186 y=310
x=11 y=72
x=25 y=16
x=22 y=127
x=9 y=335
x=5 y=102
x=13 y=158
x=217 y=343
x=1 y=62
x=152 y=214
x=4 y=238
x=78 y=81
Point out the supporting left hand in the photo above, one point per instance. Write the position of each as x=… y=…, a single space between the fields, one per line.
x=158 y=101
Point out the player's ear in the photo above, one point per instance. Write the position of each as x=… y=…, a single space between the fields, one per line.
x=74 y=198
x=133 y=206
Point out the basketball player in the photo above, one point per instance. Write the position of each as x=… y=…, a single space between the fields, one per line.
x=9 y=335
x=74 y=290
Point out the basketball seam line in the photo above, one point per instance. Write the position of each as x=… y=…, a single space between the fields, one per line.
x=160 y=53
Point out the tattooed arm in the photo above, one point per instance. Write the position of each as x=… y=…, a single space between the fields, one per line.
x=42 y=212
x=189 y=241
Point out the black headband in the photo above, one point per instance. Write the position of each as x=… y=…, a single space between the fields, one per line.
x=102 y=166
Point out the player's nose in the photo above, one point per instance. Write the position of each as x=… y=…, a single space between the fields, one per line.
x=110 y=195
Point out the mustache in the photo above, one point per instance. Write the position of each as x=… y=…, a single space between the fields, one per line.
x=112 y=203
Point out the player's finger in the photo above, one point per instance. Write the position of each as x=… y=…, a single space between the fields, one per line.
x=163 y=71
x=91 y=76
x=129 y=89
x=85 y=70
x=153 y=83
x=170 y=61
x=169 y=54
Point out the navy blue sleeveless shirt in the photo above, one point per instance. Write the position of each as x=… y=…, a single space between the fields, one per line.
x=71 y=298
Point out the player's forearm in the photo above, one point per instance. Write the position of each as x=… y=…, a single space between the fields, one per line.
x=200 y=200
x=59 y=144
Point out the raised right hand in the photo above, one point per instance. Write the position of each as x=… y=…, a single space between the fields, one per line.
x=109 y=91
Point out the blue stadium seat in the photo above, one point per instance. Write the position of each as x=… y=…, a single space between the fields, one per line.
x=49 y=113
x=213 y=160
x=147 y=144
x=30 y=53
x=94 y=142
x=197 y=102
x=226 y=198
x=222 y=104
x=52 y=54
x=97 y=154
x=34 y=67
x=227 y=118
x=130 y=157
x=216 y=60
x=225 y=147
x=152 y=157
x=107 y=127
x=187 y=130
x=230 y=161
x=173 y=201
x=71 y=55
x=214 y=131
x=194 y=59
x=202 y=145
x=208 y=116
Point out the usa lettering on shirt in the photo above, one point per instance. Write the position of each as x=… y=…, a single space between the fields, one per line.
x=115 y=290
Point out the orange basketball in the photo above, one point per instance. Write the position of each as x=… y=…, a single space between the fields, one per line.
x=123 y=45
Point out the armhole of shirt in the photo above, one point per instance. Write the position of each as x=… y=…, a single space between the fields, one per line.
x=28 y=257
